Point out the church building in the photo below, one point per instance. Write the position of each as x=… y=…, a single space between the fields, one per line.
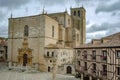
x=40 y=40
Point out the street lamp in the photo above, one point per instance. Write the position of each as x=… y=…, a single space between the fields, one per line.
x=54 y=67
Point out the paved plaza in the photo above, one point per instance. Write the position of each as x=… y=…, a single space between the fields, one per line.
x=6 y=74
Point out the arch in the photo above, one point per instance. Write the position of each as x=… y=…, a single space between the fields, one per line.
x=25 y=59
x=69 y=70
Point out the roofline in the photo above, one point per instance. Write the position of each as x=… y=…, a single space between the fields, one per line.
x=25 y=16
x=91 y=47
x=58 y=13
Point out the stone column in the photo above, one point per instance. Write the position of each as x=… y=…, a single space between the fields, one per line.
x=81 y=77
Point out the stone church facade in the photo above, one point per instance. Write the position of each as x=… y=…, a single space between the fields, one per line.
x=38 y=40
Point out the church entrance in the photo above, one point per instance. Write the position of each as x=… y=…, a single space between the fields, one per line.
x=69 y=70
x=25 y=58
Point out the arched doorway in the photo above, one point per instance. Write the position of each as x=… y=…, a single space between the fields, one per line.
x=48 y=68
x=25 y=58
x=69 y=70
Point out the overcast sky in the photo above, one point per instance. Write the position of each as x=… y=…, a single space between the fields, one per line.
x=103 y=16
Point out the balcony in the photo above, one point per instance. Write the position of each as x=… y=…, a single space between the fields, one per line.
x=103 y=57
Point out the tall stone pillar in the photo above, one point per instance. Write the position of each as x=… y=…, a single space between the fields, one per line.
x=81 y=77
x=10 y=64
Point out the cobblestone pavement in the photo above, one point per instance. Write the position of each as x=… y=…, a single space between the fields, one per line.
x=6 y=74
x=15 y=75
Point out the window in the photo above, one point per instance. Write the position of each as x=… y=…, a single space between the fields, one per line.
x=78 y=52
x=79 y=63
x=26 y=30
x=118 y=70
x=1 y=57
x=94 y=68
x=104 y=72
x=47 y=53
x=50 y=61
x=104 y=55
x=52 y=31
x=85 y=65
x=52 y=54
x=77 y=37
x=74 y=13
x=93 y=54
x=118 y=54
x=85 y=54
x=79 y=13
x=68 y=21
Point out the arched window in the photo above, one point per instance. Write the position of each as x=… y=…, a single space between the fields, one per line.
x=52 y=31
x=26 y=30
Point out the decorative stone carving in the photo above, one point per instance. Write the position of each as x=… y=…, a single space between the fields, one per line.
x=25 y=51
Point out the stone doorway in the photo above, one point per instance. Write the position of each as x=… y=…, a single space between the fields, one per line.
x=25 y=54
x=25 y=59
x=69 y=70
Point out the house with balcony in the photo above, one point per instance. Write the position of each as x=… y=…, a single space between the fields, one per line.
x=100 y=59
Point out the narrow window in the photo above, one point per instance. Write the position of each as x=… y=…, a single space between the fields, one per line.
x=85 y=67
x=47 y=53
x=94 y=68
x=77 y=37
x=79 y=13
x=26 y=30
x=79 y=63
x=118 y=54
x=85 y=54
x=74 y=13
x=93 y=54
x=104 y=55
x=68 y=21
x=52 y=54
x=78 y=52
x=105 y=70
x=52 y=31
x=118 y=70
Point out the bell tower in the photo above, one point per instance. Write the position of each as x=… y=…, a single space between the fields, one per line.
x=79 y=22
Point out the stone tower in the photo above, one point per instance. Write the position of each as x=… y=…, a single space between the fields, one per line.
x=78 y=16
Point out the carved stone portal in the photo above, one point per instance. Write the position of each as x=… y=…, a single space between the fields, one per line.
x=25 y=54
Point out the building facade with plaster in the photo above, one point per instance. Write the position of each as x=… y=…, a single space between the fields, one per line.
x=100 y=59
